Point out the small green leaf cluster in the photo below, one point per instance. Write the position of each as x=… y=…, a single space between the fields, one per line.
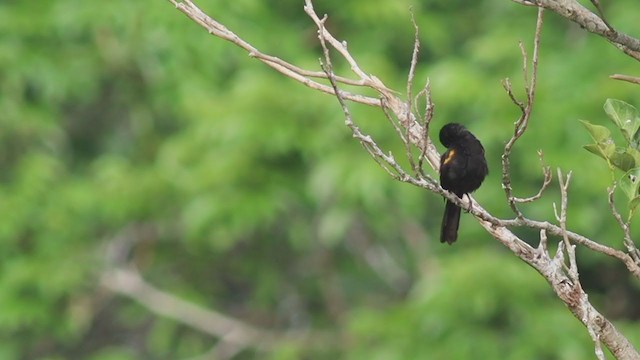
x=625 y=158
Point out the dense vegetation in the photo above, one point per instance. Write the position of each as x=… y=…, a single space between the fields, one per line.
x=244 y=192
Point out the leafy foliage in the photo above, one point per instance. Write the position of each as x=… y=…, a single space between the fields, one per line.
x=626 y=158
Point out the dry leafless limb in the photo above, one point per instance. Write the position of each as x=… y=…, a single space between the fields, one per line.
x=574 y=11
x=546 y=172
x=562 y=278
x=628 y=78
x=426 y=121
x=232 y=333
x=521 y=124
x=625 y=226
x=572 y=269
x=121 y=276
x=574 y=296
x=304 y=76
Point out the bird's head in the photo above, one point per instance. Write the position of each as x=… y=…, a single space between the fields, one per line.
x=450 y=132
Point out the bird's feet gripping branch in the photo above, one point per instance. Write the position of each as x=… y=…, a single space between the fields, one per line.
x=463 y=167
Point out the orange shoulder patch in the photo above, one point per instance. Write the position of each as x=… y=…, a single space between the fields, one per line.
x=449 y=157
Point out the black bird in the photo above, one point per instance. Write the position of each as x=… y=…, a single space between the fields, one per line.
x=462 y=170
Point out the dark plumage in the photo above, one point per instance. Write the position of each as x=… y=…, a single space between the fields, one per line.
x=463 y=167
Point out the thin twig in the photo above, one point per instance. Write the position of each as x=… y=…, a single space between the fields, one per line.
x=426 y=121
x=628 y=78
x=303 y=76
x=525 y=2
x=562 y=219
x=404 y=137
x=386 y=161
x=542 y=246
x=399 y=108
x=388 y=114
x=596 y=3
x=341 y=47
x=546 y=170
x=414 y=62
x=578 y=296
x=525 y=109
x=625 y=226
x=410 y=78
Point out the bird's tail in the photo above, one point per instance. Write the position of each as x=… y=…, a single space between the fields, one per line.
x=450 y=223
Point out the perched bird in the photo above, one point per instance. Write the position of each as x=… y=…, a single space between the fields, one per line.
x=463 y=167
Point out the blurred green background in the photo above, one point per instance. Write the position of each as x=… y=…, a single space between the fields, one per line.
x=245 y=193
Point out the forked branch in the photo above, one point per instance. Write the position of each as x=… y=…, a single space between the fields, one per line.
x=412 y=130
x=520 y=126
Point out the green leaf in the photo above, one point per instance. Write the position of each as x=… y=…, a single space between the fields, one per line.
x=598 y=133
x=629 y=183
x=605 y=151
x=595 y=149
x=626 y=118
x=622 y=160
x=633 y=205
x=634 y=153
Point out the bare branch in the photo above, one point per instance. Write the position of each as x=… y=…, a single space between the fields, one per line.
x=506 y=84
x=418 y=136
x=388 y=162
x=121 y=277
x=596 y=341
x=414 y=130
x=628 y=78
x=429 y=107
x=341 y=47
x=543 y=249
x=498 y=229
x=562 y=219
x=402 y=135
x=546 y=170
x=426 y=121
x=414 y=62
x=417 y=170
x=525 y=2
x=574 y=11
x=552 y=229
x=626 y=50
x=564 y=280
x=525 y=109
x=303 y=76
x=596 y=3
x=625 y=226
x=396 y=127
x=128 y=282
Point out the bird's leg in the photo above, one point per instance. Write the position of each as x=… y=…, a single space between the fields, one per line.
x=470 y=206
